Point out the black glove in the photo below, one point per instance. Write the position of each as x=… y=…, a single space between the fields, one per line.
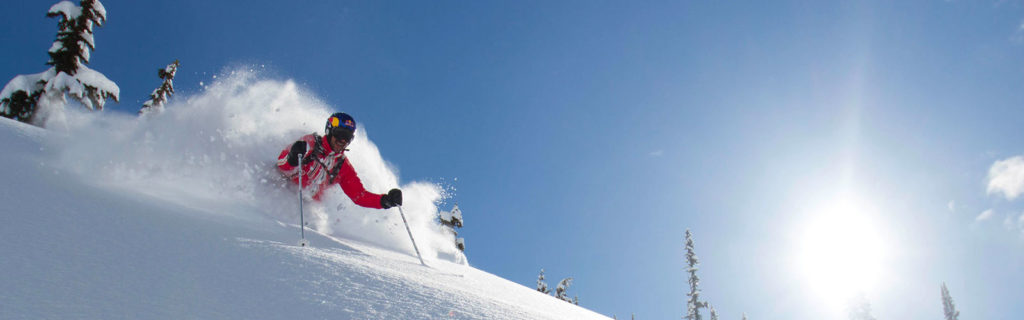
x=299 y=148
x=393 y=198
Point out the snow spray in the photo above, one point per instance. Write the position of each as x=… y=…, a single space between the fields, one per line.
x=410 y=236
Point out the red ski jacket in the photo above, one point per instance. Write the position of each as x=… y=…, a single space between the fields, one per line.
x=322 y=167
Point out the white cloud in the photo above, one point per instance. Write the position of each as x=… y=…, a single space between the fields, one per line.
x=951 y=205
x=656 y=153
x=1007 y=177
x=985 y=215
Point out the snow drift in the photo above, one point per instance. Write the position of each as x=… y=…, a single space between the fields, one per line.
x=181 y=215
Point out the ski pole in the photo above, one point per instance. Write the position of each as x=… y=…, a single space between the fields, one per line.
x=302 y=223
x=400 y=211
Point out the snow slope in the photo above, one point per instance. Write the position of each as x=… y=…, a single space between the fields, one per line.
x=178 y=215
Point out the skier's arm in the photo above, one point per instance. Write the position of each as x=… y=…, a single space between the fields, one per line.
x=353 y=187
x=282 y=162
x=288 y=160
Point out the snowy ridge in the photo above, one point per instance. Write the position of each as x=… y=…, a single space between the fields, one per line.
x=178 y=215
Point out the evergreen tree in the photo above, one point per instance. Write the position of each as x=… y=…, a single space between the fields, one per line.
x=72 y=51
x=160 y=95
x=744 y=316
x=714 y=315
x=541 y=285
x=947 y=304
x=576 y=300
x=562 y=291
x=694 y=304
x=456 y=218
x=19 y=105
x=452 y=220
x=35 y=97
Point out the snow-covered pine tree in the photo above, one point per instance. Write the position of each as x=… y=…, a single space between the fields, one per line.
x=456 y=216
x=576 y=300
x=72 y=51
x=160 y=95
x=694 y=304
x=947 y=304
x=457 y=222
x=21 y=104
x=714 y=315
x=452 y=220
x=562 y=291
x=43 y=94
x=744 y=316
x=541 y=285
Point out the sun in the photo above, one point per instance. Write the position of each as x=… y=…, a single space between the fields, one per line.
x=841 y=252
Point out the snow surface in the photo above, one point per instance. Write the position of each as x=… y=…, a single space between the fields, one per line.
x=180 y=215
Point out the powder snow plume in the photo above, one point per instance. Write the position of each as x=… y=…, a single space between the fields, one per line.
x=220 y=147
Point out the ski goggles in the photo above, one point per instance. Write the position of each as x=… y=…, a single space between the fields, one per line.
x=342 y=133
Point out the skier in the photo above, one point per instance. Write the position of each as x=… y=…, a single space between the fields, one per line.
x=324 y=163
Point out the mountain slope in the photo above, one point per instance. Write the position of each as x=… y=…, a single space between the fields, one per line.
x=76 y=246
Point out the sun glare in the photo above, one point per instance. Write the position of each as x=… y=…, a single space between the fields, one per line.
x=841 y=253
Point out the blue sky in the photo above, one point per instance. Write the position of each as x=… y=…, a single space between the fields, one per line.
x=584 y=137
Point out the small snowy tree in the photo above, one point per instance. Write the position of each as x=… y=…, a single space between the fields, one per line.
x=714 y=315
x=452 y=220
x=744 y=316
x=44 y=94
x=694 y=304
x=541 y=285
x=562 y=291
x=160 y=95
x=21 y=104
x=576 y=300
x=947 y=304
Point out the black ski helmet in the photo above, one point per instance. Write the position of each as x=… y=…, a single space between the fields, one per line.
x=340 y=125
